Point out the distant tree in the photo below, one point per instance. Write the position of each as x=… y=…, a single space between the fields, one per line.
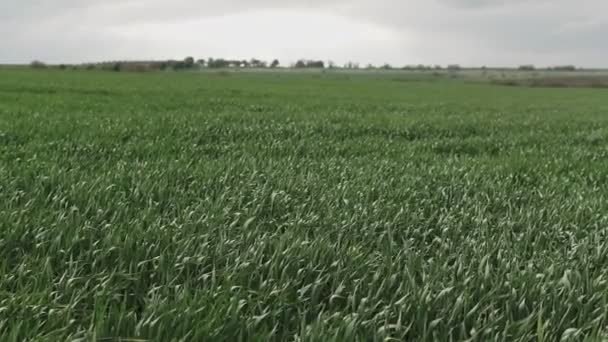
x=527 y=67
x=116 y=67
x=564 y=68
x=37 y=65
x=256 y=63
x=220 y=63
x=351 y=65
x=62 y=66
x=454 y=67
x=387 y=66
x=438 y=67
x=422 y=67
x=315 y=64
x=201 y=63
x=275 y=64
x=188 y=62
x=300 y=64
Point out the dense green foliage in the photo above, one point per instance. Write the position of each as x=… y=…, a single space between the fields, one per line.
x=310 y=206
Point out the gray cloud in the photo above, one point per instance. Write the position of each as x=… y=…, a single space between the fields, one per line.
x=473 y=32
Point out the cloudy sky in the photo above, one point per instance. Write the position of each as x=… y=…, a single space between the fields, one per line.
x=399 y=32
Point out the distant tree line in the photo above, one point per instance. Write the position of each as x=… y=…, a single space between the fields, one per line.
x=527 y=67
x=530 y=67
x=189 y=63
x=309 y=64
x=563 y=68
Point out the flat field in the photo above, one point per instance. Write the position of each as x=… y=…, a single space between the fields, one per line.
x=300 y=206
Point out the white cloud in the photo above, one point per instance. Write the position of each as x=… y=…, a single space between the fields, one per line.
x=474 y=32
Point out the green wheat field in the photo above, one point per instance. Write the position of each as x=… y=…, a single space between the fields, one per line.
x=285 y=206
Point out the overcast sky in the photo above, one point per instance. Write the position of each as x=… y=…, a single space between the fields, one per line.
x=399 y=32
